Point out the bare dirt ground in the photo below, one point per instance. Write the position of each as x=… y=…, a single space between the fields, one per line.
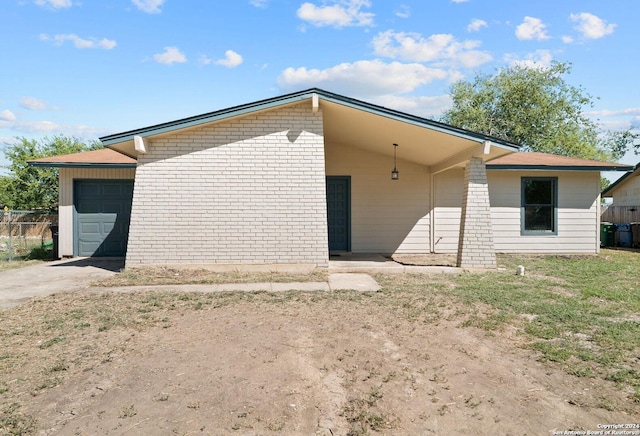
x=295 y=363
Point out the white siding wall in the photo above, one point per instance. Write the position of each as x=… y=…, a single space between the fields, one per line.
x=248 y=190
x=448 y=187
x=387 y=216
x=65 y=209
x=628 y=193
x=578 y=212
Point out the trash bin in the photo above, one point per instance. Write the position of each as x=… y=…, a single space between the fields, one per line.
x=607 y=234
x=625 y=238
x=635 y=234
x=54 y=236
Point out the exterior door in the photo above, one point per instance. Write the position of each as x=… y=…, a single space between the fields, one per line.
x=102 y=215
x=339 y=213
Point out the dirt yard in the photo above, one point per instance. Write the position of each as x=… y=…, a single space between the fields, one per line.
x=294 y=363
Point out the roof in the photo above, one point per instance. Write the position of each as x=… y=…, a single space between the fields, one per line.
x=546 y=161
x=621 y=180
x=102 y=158
x=295 y=98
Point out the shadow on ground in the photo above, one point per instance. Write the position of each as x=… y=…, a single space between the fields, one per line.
x=113 y=264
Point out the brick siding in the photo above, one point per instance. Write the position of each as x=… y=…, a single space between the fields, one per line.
x=245 y=191
x=475 y=243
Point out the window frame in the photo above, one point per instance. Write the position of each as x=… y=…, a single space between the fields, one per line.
x=524 y=205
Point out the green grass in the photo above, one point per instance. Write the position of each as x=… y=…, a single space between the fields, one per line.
x=582 y=312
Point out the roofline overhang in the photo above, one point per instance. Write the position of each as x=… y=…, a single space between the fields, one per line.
x=506 y=167
x=293 y=98
x=81 y=165
x=612 y=186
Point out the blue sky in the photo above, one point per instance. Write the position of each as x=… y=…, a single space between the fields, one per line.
x=94 y=67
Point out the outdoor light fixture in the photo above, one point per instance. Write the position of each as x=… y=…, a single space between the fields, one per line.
x=394 y=173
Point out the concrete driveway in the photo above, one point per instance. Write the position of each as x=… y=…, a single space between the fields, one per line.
x=19 y=285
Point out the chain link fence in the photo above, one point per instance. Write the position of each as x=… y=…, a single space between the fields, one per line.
x=26 y=235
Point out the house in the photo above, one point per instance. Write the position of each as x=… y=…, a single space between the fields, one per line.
x=291 y=179
x=625 y=195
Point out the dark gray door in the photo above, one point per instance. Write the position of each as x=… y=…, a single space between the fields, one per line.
x=338 y=212
x=103 y=212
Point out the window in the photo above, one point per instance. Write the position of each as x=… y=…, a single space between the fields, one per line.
x=539 y=205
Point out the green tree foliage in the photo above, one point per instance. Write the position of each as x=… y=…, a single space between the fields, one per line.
x=27 y=187
x=536 y=108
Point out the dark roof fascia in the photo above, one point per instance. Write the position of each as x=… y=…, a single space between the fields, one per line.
x=621 y=179
x=81 y=165
x=507 y=167
x=300 y=96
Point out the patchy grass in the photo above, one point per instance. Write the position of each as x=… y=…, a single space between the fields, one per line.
x=580 y=313
x=188 y=276
x=6 y=265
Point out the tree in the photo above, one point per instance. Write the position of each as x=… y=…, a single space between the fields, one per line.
x=536 y=108
x=27 y=187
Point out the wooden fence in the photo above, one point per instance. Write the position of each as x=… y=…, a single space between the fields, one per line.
x=621 y=214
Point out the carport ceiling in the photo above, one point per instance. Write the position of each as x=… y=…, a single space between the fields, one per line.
x=344 y=125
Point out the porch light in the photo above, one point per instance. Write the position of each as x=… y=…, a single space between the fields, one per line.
x=395 y=172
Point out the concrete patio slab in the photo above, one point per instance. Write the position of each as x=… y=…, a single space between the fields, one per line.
x=351 y=281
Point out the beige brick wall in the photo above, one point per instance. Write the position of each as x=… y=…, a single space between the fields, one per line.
x=245 y=191
x=475 y=243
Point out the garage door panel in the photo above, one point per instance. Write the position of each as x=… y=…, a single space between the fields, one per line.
x=90 y=228
x=112 y=207
x=109 y=227
x=103 y=212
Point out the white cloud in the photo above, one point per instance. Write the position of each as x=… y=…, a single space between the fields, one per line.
x=459 y=1
x=442 y=48
x=591 y=26
x=632 y=111
x=104 y=43
x=170 y=56
x=34 y=104
x=7 y=115
x=476 y=25
x=231 y=59
x=259 y=3
x=149 y=6
x=428 y=107
x=403 y=11
x=204 y=60
x=56 y=4
x=363 y=78
x=340 y=14
x=45 y=126
x=538 y=59
x=532 y=28
x=567 y=39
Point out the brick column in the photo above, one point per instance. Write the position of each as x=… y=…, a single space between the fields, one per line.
x=475 y=242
